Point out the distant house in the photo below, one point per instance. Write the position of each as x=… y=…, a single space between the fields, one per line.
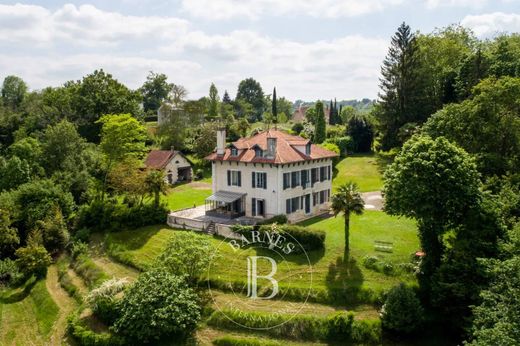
x=268 y=174
x=175 y=166
x=299 y=114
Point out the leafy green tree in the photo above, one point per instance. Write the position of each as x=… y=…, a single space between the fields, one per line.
x=504 y=60
x=360 y=129
x=488 y=125
x=13 y=173
x=157 y=305
x=497 y=317
x=9 y=238
x=33 y=260
x=320 y=127
x=187 y=254
x=402 y=311
x=156 y=185
x=98 y=94
x=347 y=200
x=213 y=102
x=472 y=70
x=54 y=231
x=122 y=137
x=30 y=150
x=14 y=90
x=155 y=91
x=250 y=91
x=400 y=92
x=448 y=176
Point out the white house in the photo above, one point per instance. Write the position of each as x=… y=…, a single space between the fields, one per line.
x=269 y=174
x=175 y=166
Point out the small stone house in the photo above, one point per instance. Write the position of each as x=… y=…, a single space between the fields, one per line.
x=176 y=167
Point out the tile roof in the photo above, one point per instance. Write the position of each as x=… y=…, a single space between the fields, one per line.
x=286 y=151
x=158 y=159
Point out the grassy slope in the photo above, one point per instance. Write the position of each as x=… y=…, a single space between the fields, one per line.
x=362 y=169
x=27 y=318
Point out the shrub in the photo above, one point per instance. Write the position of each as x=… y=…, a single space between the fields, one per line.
x=187 y=254
x=388 y=269
x=9 y=272
x=103 y=301
x=278 y=219
x=340 y=325
x=87 y=337
x=250 y=341
x=66 y=281
x=402 y=311
x=78 y=248
x=199 y=174
x=54 y=231
x=297 y=128
x=370 y=262
x=88 y=270
x=157 y=305
x=366 y=332
x=82 y=235
x=334 y=148
x=33 y=260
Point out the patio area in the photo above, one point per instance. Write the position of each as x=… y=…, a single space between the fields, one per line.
x=199 y=214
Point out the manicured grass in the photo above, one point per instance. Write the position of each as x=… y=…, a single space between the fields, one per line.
x=330 y=271
x=187 y=195
x=28 y=314
x=364 y=170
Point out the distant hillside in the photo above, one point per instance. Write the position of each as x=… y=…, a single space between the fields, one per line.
x=364 y=105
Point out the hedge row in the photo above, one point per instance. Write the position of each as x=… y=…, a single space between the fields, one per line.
x=340 y=326
x=66 y=282
x=332 y=296
x=308 y=238
x=251 y=341
x=86 y=337
x=89 y=271
x=113 y=216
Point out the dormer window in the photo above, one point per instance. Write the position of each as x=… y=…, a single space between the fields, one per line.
x=259 y=152
x=234 y=151
x=308 y=149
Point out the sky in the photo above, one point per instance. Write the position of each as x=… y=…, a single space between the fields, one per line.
x=307 y=49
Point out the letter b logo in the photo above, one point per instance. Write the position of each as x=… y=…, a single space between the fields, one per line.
x=252 y=277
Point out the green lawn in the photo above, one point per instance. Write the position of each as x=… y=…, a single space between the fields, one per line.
x=329 y=270
x=28 y=314
x=364 y=170
x=187 y=195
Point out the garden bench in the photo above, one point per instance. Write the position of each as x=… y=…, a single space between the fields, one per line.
x=384 y=246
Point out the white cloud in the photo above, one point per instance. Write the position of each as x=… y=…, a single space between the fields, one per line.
x=253 y=9
x=50 y=47
x=486 y=25
x=84 y=24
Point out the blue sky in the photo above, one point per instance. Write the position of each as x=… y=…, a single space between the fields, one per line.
x=308 y=49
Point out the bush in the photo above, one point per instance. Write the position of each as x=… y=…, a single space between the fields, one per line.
x=9 y=272
x=159 y=304
x=340 y=326
x=54 y=231
x=33 y=260
x=89 y=271
x=309 y=239
x=87 y=337
x=78 y=248
x=112 y=216
x=278 y=219
x=297 y=128
x=187 y=254
x=250 y=341
x=103 y=300
x=82 y=235
x=402 y=311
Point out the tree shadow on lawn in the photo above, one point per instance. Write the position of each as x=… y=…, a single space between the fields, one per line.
x=344 y=280
x=297 y=258
x=19 y=293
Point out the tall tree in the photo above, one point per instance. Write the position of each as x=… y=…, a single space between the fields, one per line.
x=14 y=90
x=213 y=102
x=226 y=99
x=156 y=185
x=347 y=200
x=400 y=92
x=154 y=91
x=320 y=127
x=274 y=107
x=250 y=91
x=331 y=113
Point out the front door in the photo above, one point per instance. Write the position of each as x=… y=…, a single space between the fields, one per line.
x=307 y=204
x=260 y=207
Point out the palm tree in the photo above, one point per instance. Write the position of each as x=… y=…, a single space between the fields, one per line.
x=347 y=200
x=156 y=185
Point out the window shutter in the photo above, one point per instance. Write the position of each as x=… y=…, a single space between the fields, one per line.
x=253 y=185
x=265 y=180
x=229 y=178
x=329 y=175
x=239 y=178
x=253 y=207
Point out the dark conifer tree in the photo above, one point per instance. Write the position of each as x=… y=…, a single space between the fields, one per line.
x=274 y=107
x=226 y=98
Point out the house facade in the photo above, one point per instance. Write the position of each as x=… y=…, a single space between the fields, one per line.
x=175 y=166
x=269 y=174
